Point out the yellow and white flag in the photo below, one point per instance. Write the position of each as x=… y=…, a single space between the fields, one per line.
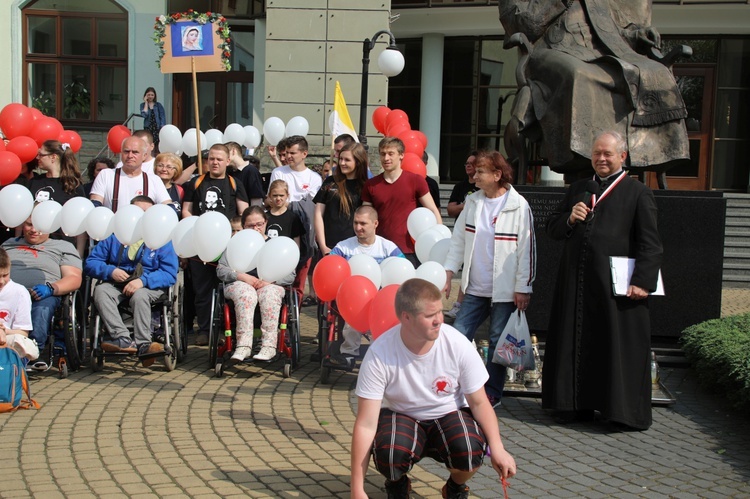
x=339 y=122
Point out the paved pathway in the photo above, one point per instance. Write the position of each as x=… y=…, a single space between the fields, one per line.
x=151 y=433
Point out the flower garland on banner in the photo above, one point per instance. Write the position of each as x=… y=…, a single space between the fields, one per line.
x=222 y=30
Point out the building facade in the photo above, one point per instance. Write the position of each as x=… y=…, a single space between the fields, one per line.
x=88 y=63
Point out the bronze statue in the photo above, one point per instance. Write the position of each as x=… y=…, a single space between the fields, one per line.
x=588 y=66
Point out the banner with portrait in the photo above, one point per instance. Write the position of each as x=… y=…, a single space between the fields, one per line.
x=192 y=42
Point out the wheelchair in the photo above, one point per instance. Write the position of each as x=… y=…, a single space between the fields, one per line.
x=169 y=309
x=330 y=336
x=221 y=335
x=66 y=343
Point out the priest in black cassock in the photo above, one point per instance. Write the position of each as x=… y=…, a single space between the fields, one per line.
x=597 y=355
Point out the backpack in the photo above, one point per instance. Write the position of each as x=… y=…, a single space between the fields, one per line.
x=14 y=383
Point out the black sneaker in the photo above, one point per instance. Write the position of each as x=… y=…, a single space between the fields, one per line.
x=341 y=360
x=400 y=489
x=452 y=490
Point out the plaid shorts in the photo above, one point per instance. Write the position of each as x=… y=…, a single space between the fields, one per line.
x=455 y=439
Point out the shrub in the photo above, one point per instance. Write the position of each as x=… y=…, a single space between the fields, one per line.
x=719 y=351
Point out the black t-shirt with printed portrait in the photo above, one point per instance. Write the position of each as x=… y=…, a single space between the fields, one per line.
x=215 y=194
x=43 y=189
x=287 y=224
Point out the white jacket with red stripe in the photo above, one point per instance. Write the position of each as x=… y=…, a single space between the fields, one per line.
x=514 y=268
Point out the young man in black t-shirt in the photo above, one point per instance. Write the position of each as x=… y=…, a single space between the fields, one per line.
x=212 y=191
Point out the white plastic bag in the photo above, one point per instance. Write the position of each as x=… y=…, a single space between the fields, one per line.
x=514 y=346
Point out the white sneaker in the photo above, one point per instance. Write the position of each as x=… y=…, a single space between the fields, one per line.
x=453 y=312
x=240 y=353
x=266 y=353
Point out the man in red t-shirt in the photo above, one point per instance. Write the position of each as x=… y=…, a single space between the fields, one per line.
x=394 y=194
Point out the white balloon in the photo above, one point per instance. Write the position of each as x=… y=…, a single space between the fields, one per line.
x=242 y=249
x=46 y=216
x=420 y=219
x=439 y=251
x=100 y=223
x=277 y=258
x=214 y=136
x=441 y=229
x=273 y=129
x=297 y=126
x=212 y=233
x=252 y=137
x=425 y=242
x=366 y=265
x=385 y=262
x=170 y=139
x=182 y=238
x=432 y=272
x=397 y=271
x=234 y=133
x=16 y=203
x=190 y=143
x=128 y=228
x=73 y=216
x=158 y=223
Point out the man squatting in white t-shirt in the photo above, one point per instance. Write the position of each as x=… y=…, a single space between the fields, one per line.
x=364 y=242
x=413 y=388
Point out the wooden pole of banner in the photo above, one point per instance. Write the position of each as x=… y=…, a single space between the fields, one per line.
x=197 y=117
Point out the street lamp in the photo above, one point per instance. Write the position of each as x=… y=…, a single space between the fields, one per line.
x=390 y=62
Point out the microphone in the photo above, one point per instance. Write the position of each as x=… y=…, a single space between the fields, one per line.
x=592 y=188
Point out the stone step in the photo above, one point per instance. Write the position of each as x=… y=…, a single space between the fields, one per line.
x=731 y=259
x=736 y=269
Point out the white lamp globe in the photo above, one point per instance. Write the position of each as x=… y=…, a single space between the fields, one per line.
x=391 y=61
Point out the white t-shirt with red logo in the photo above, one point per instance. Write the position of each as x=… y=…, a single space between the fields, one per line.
x=15 y=307
x=301 y=184
x=425 y=386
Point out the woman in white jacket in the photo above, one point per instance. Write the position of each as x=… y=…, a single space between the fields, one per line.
x=494 y=241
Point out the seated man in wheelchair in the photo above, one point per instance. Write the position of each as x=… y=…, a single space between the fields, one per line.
x=246 y=290
x=49 y=269
x=135 y=273
x=366 y=242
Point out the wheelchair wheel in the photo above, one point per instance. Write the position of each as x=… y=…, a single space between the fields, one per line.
x=62 y=368
x=327 y=339
x=214 y=328
x=288 y=370
x=73 y=333
x=293 y=332
x=170 y=360
x=97 y=361
x=179 y=344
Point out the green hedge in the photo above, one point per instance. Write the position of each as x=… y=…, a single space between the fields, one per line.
x=719 y=351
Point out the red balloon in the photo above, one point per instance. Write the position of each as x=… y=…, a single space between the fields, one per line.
x=379 y=117
x=422 y=138
x=16 y=120
x=353 y=301
x=2 y=145
x=395 y=116
x=413 y=146
x=383 y=310
x=23 y=147
x=36 y=113
x=45 y=128
x=71 y=138
x=328 y=275
x=115 y=136
x=397 y=128
x=10 y=167
x=413 y=163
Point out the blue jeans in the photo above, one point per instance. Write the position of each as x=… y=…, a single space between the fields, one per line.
x=474 y=310
x=42 y=312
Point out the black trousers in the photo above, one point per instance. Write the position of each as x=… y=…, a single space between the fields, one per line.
x=204 y=283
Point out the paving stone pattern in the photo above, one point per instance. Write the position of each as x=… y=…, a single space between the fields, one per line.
x=151 y=433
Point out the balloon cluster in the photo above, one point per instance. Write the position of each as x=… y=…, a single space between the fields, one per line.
x=355 y=283
x=27 y=129
x=206 y=236
x=395 y=123
x=274 y=129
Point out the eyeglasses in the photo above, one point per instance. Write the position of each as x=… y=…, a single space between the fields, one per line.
x=255 y=226
x=42 y=155
x=166 y=166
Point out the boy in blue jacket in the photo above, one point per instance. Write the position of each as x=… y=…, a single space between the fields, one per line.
x=136 y=273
